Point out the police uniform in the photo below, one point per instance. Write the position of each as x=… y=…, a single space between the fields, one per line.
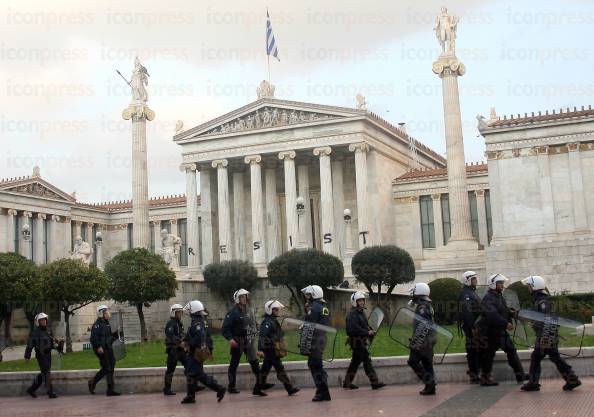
x=42 y=342
x=547 y=345
x=318 y=313
x=469 y=311
x=198 y=340
x=174 y=334
x=357 y=329
x=270 y=343
x=239 y=326
x=421 y=346
x=495 y=316
x=102 y=337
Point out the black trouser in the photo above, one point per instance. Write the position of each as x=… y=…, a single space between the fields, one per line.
x=360 y=355
x=174 y=355
x=45 y=375
x=422 y=365
x=273 y=361
x=496 y=341
x=107 y=363
x=472 y=352
x=538 y=355
x=242 y=347
x=320 y=377
x=195 y=373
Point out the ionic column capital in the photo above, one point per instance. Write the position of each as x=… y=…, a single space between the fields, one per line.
x=41 y=216
x=541 y=150
x=359 y=147
x=219 y=163
x=284 y=155
x=27 y=214
x=55 y=218
x=448 y=65
x=253 y=159
x=11 y=212
x=573 y=147
x=436 y=197
x=188 y=167
x=479 y=193
x=322 y=151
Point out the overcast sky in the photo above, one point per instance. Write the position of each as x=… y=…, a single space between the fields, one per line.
x=61 y=100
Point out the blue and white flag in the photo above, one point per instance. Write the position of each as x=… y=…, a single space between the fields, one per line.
x=271 y=48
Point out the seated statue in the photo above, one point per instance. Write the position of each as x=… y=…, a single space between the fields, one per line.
x=169 y=250
x=82 y=250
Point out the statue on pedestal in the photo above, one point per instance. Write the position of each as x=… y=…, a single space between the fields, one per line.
x=139 y=79
x=445 y=30
x=82 y=250
x=265 y=90
x=169 y=250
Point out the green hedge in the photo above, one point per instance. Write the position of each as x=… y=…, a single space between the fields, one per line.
x=444 y=293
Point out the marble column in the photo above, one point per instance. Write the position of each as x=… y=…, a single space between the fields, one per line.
x=580 y=213
x=546 y=190
x=223 y=209
x=77 y=228
x=449 y=68
x=258 y=245
x=437 y=220
x=39 y=249
x=338 y=201
x=56 y=239
x=239 y=218
x=326 y=196
x=90 y=234
x=303 y=183
x=290 y=198
x=10 y=226
x=206 y=217
x=157 y=234
x=192 y=215
x=482 y=217
x=272 y=214
x=26 y=245
x=174 y=228
x=415 y=211
x=360 y=150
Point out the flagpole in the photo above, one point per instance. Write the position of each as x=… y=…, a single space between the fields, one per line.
x=268 y=59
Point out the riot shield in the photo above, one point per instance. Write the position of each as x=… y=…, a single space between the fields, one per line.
x=253 y=331
x=520 y=330
x=546 y=331
x=59 y=335
x=375 y=319
x=415 y=332
x=309 y=339
x=119 y=345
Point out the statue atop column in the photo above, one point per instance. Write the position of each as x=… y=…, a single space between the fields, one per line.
x=169 y=250
x=445 y=30
x=265 y=90
x=138 y=82
x=82 y=250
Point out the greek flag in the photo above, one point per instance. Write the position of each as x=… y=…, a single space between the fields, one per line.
x=271 y=48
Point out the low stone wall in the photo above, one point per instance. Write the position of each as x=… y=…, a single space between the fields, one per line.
x=392 y=370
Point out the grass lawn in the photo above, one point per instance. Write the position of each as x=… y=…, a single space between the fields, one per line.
x=153 y=353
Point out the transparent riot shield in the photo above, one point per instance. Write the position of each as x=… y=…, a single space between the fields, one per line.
x=415 y=332
x=375 y=319
x=253 y=333
x=117 y=327
x=549 y=331
x=59 y=335
x=309 y=339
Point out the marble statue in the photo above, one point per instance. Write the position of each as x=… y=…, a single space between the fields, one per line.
x=139 y=81
x=481 y=122
x=361 y=103
x=169 y=250
x=445 y=30
x=82 y=250
x=265 y=89
x=179 y=127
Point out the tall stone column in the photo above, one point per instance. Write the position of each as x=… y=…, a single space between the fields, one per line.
x=11 y=224
x=258 y=245
x=290 y=198
x=272 y=214
x=56 y=239
x=437 y=220
x=90 y=234
x=157 y=235
x=580 y=213
x=39 y=250
x=449 y=68
x=326 y=196
x=360 y=150
x=239 y=218
x=223 y=209
x=303 y=183
x=482 y=217
x=4 y=235
x=338 y=201
x=77 y=228
x=206 y=216
x=191 y=215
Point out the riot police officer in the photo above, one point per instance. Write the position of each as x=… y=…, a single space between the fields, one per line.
x=199 y=345
x=360 y=334
x=421 y=348
x=469 y=310
x=496 y=319
x=42 y=342
x=270 y=346
x=102 y=338
x=545 y=344
x=239 y=328
x=317 y=312
x=174 y=346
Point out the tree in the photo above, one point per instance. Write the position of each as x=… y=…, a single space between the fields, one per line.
x=19 y=284
x=299 y=268
x=139 y=277
x=383 y=265
x=224 y=278
x=445 y=293
x=71 y=284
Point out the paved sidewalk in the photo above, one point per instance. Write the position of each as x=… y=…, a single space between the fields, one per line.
x=458 y=400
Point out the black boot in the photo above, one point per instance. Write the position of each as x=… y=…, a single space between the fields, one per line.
x=521 y=377
x=530 y=386
x=221 y=394
x=428 y=390
x=91 y=385
x=378 y=385
x=292 y=390
x=110 y=387
x=232 y=390
x=325 y=396
x=487 y=381
x=52 y=394
x=265 y=386
x=31 y=392
x=349 y=386
x=572 y=383
x=167 y=391
x=188 y=400
x=258 y=391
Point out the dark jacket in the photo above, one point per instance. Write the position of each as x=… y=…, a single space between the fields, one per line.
x=469 y=308
x=174 y=334
x=424 y=335
x=270 y=333
x=41 y=341
x=357 y=328
x=238 y=324
x=543 y=305
x=318 y=313
x=101 y=334
x=495 y=315
x=198 y=334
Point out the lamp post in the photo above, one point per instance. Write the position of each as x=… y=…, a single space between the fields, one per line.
x=348 y=232
x=300 y=208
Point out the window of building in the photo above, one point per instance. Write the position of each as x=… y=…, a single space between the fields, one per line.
x=488 y=215
x=130 y=235
x=473 y=214
x=182 y=229
x=427 y=225
x=446 y=224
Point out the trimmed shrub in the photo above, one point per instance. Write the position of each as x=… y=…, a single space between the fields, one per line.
x=445 y=293
x=224 y=278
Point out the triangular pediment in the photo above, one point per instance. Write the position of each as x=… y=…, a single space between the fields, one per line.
x=269 y=113
x=36 y=187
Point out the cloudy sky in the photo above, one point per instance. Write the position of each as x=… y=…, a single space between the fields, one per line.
x=61 y=99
